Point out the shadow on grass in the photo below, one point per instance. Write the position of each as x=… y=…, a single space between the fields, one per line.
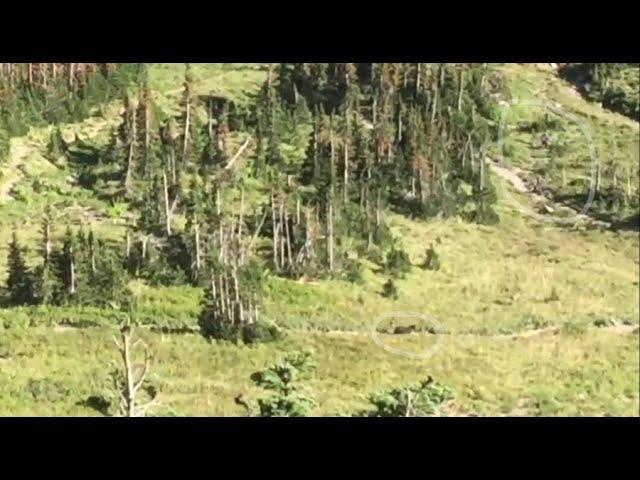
x=578 y=200
x=100 y=177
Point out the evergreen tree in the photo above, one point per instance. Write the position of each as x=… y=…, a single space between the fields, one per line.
x=19 y=281
x=4 y=142
x=56 y=147
x=65 y=270
x=286 y=397
x=109 y=280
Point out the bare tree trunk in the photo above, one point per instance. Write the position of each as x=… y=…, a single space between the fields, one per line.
x=128 y=245
x=213 y=288
x=30 y=73
x=47 y=242
x=210 y=118
x=128 y=403
x=461 y=87
x=126 y=356
x=144 y=247
x=346 y=173
x=132 y=141
x=331 y=192
x=281 y=231
x=241 y=213
x=167 y=211
x=72 y=270
x=418 y=73
x=472 y=155
x=72 y=72
x=330 y=235
x=220 y=228
x=375 y=110
x=229 y=302
x=172 y=161
x=93 y=260
x=400 y=126
x=147 y=135
x=197 y=240
x=378 y=211
x=187 y=126
x=434 y=104
x=275 y=233
x=286 y=228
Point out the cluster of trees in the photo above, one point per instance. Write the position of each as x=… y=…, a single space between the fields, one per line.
x=81 y=270
x=329 y=147
x=38 y=94
x=405 y=136
x=598 y=82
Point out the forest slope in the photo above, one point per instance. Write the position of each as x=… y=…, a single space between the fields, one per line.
x=521 y=274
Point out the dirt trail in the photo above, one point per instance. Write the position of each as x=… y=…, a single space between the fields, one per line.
x=513 y=176
x=18 y=153
x=619 y=329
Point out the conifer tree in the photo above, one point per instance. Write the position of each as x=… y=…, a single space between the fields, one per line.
x=65 y=270
x=19 y=281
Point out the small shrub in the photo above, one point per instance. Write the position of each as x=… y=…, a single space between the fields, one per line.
x=287 y=397
x=423 y=399
x=117 y=210
x=375 y=255
x=533 y=322
x=398 y=263
x=47 y=390
x=574 y=328
x=352 y=271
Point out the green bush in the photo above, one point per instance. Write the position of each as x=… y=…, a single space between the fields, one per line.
x=423 y=399
x=286 y=397
x=4 y=143
x=533 y=322
x=574 y=328
x=47 y=390
x=352 y=270
x=397 y=262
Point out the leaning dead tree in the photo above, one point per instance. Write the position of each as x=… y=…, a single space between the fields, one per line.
x=133 y=376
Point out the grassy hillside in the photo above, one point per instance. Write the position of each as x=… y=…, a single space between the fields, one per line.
x=45 y=372
x=520 y=275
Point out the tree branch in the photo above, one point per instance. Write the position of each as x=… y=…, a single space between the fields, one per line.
x=237 y=155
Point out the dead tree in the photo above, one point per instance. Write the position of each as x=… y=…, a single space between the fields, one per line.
x=133 y=381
